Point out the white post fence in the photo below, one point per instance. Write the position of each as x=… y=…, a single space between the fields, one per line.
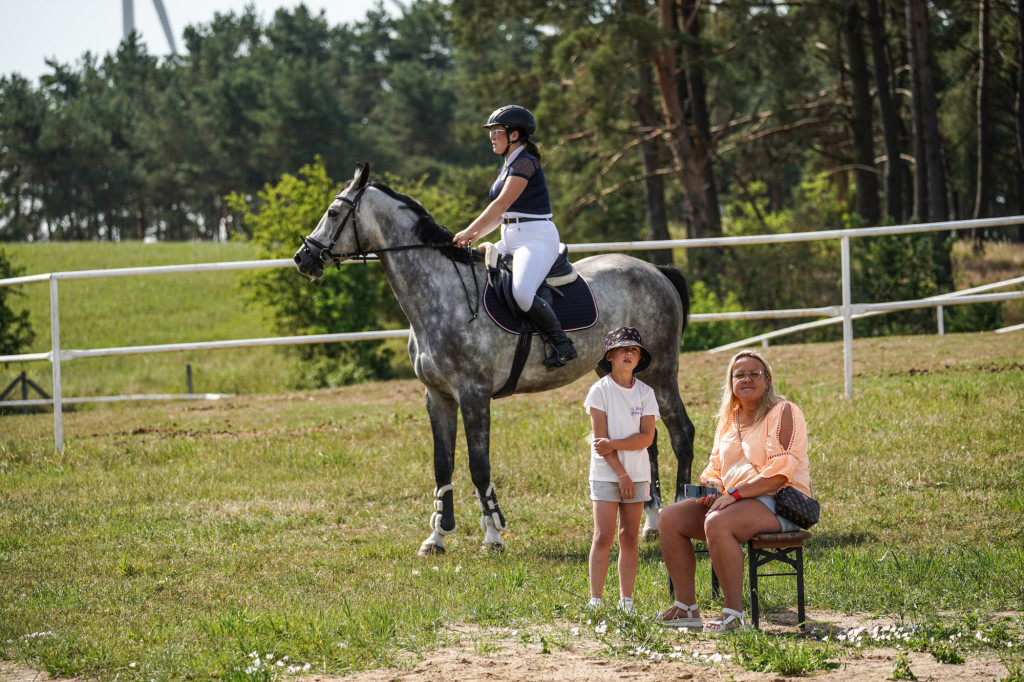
x=845 y=313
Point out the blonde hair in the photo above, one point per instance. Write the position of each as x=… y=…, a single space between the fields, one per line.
x=730 y=403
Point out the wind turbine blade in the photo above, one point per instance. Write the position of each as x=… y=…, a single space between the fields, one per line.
x=166 y=24
x=128 y=17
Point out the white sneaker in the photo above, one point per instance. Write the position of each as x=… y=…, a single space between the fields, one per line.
x=595 y=603
x=626 y=606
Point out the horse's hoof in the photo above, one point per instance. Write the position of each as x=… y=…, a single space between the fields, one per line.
x=429 y=548
x=493 y=547
x=650 y=534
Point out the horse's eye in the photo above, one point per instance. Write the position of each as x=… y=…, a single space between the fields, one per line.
x=332 y=213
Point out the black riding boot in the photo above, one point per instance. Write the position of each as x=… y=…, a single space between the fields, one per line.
x=550 y=329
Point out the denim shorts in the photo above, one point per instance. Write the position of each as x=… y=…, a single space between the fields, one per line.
x=606 y=491
x=769 y=501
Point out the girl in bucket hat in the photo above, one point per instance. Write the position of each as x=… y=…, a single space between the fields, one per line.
x=622 y=411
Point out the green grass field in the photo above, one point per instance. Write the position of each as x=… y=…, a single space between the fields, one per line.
x=172 y=541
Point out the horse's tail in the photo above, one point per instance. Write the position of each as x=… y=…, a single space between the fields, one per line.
x=682 y=288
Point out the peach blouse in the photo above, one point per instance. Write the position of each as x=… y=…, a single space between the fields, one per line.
x=732 y=457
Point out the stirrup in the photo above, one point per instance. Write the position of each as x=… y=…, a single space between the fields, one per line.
x=559 y=357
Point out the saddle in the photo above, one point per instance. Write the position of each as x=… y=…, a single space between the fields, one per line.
x=499 y=279
x=564 y=289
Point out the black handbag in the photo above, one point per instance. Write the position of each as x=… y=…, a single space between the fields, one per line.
x=792 y=504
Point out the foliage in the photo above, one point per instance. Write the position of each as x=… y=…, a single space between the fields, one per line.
x=779 y=276
x=762 y=653
x=352 y=299
x=713 y=334
x=15 y=330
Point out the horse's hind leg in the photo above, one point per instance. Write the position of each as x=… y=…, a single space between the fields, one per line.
x=680 y=433
x=653 y=505
x=443 y=413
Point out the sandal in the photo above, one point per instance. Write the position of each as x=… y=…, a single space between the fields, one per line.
x=721 y=627
x=690 y=621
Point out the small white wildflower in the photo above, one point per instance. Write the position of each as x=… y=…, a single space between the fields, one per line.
x=575 y=632
x=415 y=572
x=458 y=568
x=436 y=568
x=132 y=664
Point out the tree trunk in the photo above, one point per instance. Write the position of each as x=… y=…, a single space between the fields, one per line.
x=895 y=168
x=922 y=66
x=860 y=118
x=920 y=208
x=654 y=184
x=683 y=109
x=935 y=177
x=983 y=201
x=1020 y=96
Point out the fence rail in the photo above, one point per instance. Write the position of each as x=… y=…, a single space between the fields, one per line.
x=844 y=313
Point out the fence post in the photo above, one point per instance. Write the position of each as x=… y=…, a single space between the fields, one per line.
x=847 y=319
x=940 y=320
x=58 y=416
x=188 y=378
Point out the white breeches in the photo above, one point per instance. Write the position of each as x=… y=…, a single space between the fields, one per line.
x=534 y=247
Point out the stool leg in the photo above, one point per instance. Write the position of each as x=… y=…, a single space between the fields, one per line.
x=800 y=586
x=752 y=558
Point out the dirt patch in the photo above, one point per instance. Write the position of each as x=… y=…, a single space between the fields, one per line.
x=510 y=655
x=515 y=660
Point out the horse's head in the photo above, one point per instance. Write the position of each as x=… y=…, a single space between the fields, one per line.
x=317 y=249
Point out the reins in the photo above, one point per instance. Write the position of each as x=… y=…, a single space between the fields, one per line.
x=327 y=255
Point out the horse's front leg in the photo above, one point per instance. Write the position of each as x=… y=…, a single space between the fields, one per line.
x=476 y=418
x=444 y=414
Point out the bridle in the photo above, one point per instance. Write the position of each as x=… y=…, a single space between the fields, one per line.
x=327 y=256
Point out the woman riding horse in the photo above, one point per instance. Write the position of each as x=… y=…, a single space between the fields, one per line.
x=520 y=204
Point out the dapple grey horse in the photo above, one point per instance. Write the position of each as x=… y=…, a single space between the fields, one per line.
x=463 y=359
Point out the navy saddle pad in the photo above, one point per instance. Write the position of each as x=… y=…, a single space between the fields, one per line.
x=576 y=308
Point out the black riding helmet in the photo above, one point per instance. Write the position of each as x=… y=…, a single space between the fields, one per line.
x=513 y=117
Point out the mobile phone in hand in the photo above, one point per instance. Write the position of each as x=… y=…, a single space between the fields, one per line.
x=698 y=491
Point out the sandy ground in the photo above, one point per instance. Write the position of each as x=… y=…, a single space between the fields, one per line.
x=508 y=659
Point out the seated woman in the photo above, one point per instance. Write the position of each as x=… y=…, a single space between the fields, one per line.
x=760 y=446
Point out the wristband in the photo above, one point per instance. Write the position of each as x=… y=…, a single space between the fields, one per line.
x=624 y=475
x=735 y=493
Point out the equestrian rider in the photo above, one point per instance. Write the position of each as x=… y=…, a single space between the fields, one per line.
x=520 y=204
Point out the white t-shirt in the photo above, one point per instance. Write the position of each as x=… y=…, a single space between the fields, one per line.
x=623 y=408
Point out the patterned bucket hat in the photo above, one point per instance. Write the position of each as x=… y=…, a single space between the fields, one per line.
x=618 y=338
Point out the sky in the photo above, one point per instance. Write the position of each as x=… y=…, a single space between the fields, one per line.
x=33 y=30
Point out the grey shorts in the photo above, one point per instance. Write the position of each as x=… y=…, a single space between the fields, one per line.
x=606 y=491
x=769 y=501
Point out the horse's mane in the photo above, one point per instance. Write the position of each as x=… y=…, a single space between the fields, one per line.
x=426 y=229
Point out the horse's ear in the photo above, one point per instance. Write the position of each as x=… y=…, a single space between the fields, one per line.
x=362 y=175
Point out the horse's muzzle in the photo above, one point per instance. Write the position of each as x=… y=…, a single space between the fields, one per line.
x=307 y=263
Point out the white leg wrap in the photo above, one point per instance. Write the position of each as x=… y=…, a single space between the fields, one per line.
x=435 y=518
x=489 y=506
